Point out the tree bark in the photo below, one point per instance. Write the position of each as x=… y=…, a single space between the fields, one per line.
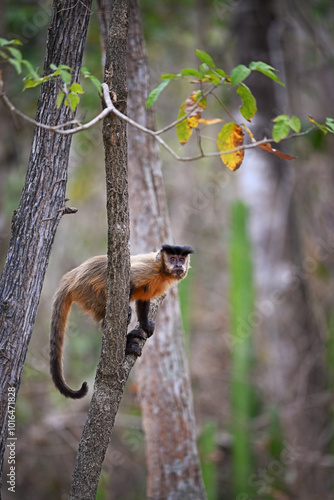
x=288 y=340
x=164 y=387
x=113 y=369
x=43 y=196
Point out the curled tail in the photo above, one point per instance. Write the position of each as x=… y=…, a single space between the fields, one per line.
x=60 y=311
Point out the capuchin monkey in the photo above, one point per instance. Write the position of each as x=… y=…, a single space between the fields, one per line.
x=151 y=275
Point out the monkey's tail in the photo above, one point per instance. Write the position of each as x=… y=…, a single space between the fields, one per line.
x=60 y=311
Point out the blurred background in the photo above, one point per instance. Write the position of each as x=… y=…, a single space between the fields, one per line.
x=257 y=303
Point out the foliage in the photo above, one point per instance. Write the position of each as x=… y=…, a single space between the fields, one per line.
x=230 y=139
x=208 y=78
x=69 y=93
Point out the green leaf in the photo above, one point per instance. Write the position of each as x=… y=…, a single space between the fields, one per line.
x=64 y=66
x=31 y=69
x=4 y=42
x=60 y=98
x=295 y=123
x=191 y=72
x=211 y=76
x=248 y=108
x=205 y=58
x=29 y=83
x=153 y=96
x=73 y=99
x=239 y=73
x=76 y=87
x=15 y=53
x=266 y=70
x=220 y=72
x=16 y=64
x=95 y=81
x=183 y=130
x=203 y=68
x=281 y=118
x=53 y=66
x=169 y=76
x=65 y=76
x=330 y=125
x=280 y=130
x=85 y=71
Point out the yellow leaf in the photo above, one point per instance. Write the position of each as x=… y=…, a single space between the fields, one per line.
x=213 y=121
x=231 y=137
x=193 y=121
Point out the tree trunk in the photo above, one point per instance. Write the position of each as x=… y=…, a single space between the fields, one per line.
x=288 y=340
x=43 y=196
x=112 y=373
x=164 y=388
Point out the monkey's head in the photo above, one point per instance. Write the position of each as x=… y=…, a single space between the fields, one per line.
x=175 y=260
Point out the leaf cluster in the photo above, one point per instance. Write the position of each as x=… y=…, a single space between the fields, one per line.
x=70 y=91
x=230 y=138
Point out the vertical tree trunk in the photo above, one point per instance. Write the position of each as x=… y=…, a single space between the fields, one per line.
x=43 y=196
x=164 y=387
x=112 y=373
x=288 y=339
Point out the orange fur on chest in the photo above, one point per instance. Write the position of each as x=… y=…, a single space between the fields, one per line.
x=155 y=287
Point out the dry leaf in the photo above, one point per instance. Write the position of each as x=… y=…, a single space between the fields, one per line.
x=284 y=156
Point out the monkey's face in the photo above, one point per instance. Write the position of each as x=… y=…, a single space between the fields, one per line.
x=177 y=265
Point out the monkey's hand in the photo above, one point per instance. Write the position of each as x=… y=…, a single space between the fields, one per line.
x=132 y=346
x=148 y=327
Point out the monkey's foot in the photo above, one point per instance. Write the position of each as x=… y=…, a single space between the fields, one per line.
x=132 y=346
x=148 y=327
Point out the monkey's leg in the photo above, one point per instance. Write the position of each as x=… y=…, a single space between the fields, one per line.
x=143 y=307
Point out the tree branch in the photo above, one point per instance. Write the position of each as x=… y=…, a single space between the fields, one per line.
x=110 y=108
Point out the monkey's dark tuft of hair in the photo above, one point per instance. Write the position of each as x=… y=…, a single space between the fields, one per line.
x=177 y=249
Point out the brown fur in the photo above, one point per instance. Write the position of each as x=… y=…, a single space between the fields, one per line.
x=151 y=276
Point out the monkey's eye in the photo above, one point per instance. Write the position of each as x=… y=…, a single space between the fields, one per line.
x=182 y=260
x=172 y=260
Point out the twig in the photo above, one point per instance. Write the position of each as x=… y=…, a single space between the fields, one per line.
x=110 y=108
x=64 y=210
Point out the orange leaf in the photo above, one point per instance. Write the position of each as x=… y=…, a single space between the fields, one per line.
x=284 y=156
x=231 y=137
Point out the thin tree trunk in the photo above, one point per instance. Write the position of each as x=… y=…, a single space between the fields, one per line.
x=288 y=339
x=43 y=197
x=113 y=370
x=164 y=388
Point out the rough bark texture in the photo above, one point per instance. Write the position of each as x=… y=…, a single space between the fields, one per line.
x=111 y=373
x=288 y=338
x=43 y=196
x=164 y=388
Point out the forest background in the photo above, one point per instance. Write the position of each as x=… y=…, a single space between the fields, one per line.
x=287 y=423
